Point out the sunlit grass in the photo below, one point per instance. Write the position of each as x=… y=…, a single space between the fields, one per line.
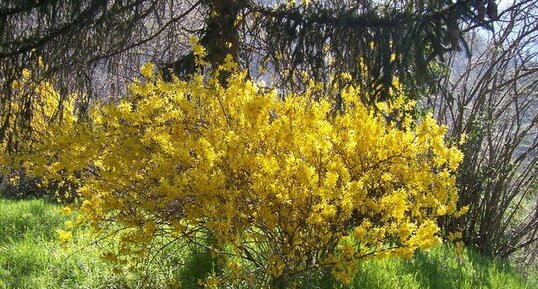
x=32 y=257
x=441 y=267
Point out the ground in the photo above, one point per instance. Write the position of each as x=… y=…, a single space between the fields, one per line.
x=32 y=256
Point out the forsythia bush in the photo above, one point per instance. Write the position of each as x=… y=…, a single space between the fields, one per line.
x=37 y=104
x=284 y=185
x=25 y=115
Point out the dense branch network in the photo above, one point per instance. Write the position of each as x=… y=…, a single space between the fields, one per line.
x=95 y=47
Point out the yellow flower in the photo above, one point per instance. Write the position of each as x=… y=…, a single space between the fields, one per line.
x=250 y=165
x=147 y=69
x=66 y=210
x=64 y=236
x=463 y=139
x=197 y=49
x=26 y=73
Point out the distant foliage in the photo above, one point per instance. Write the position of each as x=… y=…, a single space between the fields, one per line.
x=284 y=185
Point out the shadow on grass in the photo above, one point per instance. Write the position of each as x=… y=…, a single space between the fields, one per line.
x=443 y=268
x=450 y=272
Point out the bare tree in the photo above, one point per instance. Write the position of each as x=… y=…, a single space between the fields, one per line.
x=492 y=97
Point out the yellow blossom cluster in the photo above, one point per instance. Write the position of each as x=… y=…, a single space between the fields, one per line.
x=281 y=182
x=27 y=112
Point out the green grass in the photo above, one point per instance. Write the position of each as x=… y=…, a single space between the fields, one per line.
x=442 y=268
x=32 y=257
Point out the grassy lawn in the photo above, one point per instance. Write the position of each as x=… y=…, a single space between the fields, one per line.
x=32 y=257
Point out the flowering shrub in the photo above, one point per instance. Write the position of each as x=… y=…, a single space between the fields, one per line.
x=284 y=185
x=26 y=114
x=38 y=104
